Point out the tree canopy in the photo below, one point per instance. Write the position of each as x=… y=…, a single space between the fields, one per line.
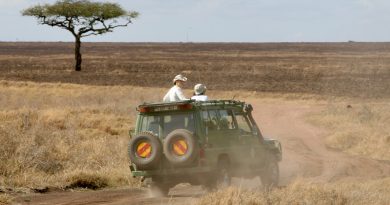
x=82 y=17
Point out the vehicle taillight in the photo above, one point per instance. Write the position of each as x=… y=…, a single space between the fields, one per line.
x=202 y=153
x=144 y=109
x=202 y=158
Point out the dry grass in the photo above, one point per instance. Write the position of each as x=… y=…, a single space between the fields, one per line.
x=71 y=136
x=5 y=199
x=58 y=134
x=306 y=192
x=67 y=135
x=357 y=128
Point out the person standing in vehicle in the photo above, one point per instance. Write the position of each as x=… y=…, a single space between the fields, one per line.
x=176 y=92
x=199 y=93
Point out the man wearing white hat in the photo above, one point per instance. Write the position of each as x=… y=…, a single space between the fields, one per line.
x=200 y=91
x=176 y=92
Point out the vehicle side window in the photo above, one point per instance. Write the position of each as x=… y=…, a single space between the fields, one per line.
x=210 y=119
x=242 y=122
x=226 y=120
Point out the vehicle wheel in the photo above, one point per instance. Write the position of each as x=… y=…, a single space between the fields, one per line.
x=145 y=151
x=180 y=147
x=223 y=175
x=270 y=175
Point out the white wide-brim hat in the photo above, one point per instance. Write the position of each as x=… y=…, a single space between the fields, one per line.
x=199 y=89
x=179 y=77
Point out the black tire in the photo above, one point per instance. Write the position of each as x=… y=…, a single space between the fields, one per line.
x=152 y=160
x=270 y=174
x=223 y=175
x=191 y=149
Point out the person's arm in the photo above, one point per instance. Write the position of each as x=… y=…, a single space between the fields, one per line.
x=167 y=96
x=180 y=95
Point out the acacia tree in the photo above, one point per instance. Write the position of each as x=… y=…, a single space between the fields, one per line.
x=82 y=18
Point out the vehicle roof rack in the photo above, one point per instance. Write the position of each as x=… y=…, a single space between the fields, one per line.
x=220 y=102
x=166 y=103
x=196 y=103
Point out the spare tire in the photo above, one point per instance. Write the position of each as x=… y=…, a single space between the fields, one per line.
x=180 y=147
x=145 y=151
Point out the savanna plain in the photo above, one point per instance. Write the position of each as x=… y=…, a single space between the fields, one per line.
x=64 y=134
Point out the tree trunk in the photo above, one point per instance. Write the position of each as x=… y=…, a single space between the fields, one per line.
x=78 y=53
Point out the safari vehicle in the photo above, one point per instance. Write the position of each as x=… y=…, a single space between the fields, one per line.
x=202 y=143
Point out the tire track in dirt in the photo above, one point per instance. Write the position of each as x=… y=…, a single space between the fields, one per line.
x=304 y=150
x=304 y=155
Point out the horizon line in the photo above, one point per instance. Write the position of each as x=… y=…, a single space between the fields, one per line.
x=200 y=42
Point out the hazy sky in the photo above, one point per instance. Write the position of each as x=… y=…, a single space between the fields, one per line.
x=222 y=21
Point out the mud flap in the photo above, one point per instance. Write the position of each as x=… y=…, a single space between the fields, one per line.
x=132 y=167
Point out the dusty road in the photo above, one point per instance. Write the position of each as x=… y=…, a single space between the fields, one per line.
x=305 y=155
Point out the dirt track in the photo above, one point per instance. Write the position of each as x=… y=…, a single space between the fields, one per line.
x=305 y=155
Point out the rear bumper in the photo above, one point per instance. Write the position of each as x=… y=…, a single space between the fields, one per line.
x=169 y=172
x=139 y=173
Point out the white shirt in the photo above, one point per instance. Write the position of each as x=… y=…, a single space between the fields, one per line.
x=174 y=94
x=200 y=97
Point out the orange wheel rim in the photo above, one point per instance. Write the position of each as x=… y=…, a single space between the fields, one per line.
x=180 y=147
x=144 y=150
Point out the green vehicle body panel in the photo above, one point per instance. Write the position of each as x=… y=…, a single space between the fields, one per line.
x=245 y=150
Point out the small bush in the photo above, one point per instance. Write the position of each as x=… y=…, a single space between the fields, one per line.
x=87 y=181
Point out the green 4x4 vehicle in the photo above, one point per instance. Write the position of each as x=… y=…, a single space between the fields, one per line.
x=202 y=143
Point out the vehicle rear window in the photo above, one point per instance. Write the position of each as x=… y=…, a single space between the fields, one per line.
x=162 y=125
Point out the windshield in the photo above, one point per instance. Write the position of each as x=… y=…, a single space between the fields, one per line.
x=162 y=125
